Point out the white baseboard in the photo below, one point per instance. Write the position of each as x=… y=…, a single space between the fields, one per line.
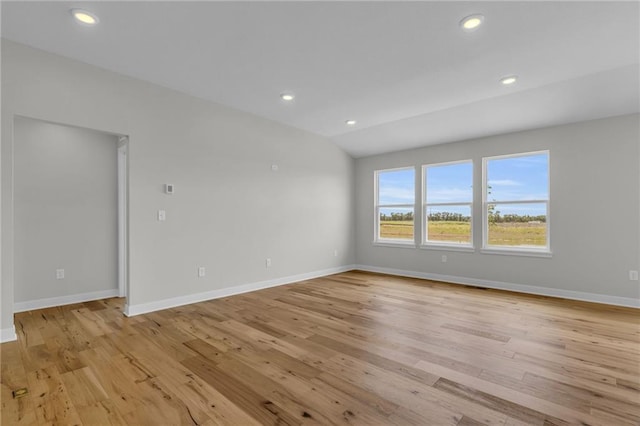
x=518 y=288
x=30 y=305
x=8 y=335
x=143 y=308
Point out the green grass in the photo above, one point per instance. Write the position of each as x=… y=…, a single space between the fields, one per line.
x=450 y=232
x=500 y=234
x=396 y=229
x=518 y=234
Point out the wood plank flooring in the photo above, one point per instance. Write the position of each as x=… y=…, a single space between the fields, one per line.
x=353 y=348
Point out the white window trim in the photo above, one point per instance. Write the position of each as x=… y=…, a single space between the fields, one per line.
x=439 y=245
x=515 y=250
x=527 y=252
x=391 y=242
x=395 y=243
x=448 y=247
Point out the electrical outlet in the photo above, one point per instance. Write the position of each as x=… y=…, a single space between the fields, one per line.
x=633 y=275
x=59 y=274
x=201 y=271
x=444 y=258
x=267 y=262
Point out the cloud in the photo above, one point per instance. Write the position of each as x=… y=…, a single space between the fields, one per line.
x=390 y=194
x=450 y=195
x=504 y=182
x=522 y=209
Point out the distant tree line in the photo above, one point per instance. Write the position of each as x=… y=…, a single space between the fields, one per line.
x=396 y=216
x=494 y=217
x=442 y=216
x=449 y=217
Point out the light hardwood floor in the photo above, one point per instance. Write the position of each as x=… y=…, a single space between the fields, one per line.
x=352 y=348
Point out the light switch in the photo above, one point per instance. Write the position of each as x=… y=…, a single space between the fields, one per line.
x=162 y=215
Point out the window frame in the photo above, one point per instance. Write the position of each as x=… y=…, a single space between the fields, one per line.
x=515 y=250
x=425 y=243
x=376 y=211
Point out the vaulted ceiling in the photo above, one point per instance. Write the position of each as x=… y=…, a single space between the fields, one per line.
x=405 y=71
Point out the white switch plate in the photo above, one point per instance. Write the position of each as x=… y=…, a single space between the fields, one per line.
x=444 y=258
x=633 y=275
x=267 y=262
x=335 y=253
x=201 y=271
x=162 y=215
x=59 y=274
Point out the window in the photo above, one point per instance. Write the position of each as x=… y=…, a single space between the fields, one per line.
x=448 y=204
x=395 y=203
x=516 y=202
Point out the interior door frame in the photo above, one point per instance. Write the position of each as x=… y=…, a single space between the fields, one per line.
x=123 y=216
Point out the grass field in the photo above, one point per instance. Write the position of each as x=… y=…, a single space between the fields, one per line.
x=450 y=232
x=502 y=234
x=396 y=229
x=518 y=234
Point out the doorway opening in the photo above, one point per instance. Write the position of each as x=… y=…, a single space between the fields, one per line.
x=70 y=214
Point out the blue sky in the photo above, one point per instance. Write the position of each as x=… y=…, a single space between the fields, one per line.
x=510 y=179
x=397 y=187
x=518 y=178
x=452 y=183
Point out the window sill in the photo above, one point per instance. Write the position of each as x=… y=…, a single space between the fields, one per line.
x=517 y=252
x=448 y=247
x=392 y=243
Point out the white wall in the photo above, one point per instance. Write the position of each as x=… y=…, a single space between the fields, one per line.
x=229 y=212
x=595 y=216
x=65 y=204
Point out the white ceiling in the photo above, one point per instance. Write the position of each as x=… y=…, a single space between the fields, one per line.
x=404 y=70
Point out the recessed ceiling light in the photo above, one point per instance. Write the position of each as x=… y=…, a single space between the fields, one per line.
x=509 y=79
x=472 y=22
x=287 y=96
x=350 y=122
x=84 y=17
